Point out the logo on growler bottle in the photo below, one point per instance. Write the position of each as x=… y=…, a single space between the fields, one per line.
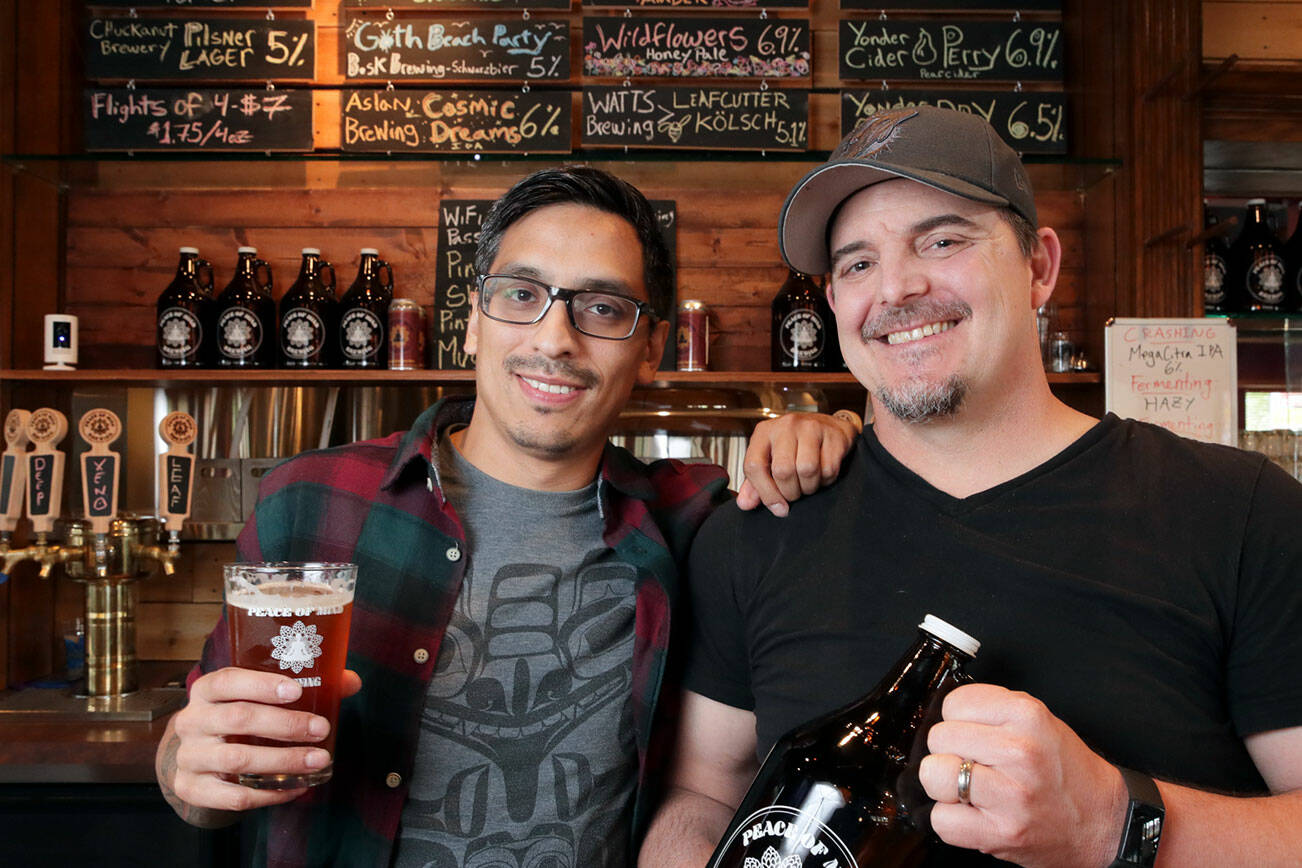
x=783 y=837
x=1266 y=279
x=239 y=333
x=1213 y=279
x=360 y=334
x=802 y=335
x=302 y=333
x=179 y=334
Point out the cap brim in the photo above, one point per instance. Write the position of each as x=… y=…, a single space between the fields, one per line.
x=802 y=226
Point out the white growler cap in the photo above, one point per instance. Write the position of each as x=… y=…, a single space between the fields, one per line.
x=194 y=250
x=247 y=250
x=371 y=250
x=1256 y=201
x=947 y=632
x=311 y=251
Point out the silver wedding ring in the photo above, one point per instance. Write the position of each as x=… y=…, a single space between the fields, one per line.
x=965 y=781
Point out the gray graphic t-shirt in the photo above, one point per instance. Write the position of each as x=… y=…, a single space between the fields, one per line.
x=527 y=755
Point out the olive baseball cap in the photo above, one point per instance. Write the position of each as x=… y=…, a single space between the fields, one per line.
x=957 y=152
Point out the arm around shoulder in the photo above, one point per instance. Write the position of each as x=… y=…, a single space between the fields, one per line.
x=712 y=766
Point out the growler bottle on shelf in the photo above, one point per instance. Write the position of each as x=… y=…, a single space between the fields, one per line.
x=309 y=315
x=843 y=789
x=364 y=314
x=1257 y=263
x=1293 y=268
x=803 y=333
x=183 y=309
x=1215 y=270
x=244 y=321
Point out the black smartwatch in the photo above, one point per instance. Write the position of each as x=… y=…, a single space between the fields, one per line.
x=1143 y=828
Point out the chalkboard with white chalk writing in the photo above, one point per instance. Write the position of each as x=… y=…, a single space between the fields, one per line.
x=197 y=119
x=1181 y=374
x=696 y=117
x=939 y=50
x=441 y=121
x=200 y=48
x=687 y=5
x=1031 y=122
x=696 y=47
x=959 y=5
x=206 y=4
x=456 y=4
x=450 y=49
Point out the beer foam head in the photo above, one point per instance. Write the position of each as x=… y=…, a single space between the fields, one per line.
x=289 y=595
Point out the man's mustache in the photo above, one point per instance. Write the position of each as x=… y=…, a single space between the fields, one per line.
x=543 y=366
x=895 y=318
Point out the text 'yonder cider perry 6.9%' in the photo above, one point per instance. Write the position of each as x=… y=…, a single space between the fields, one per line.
x=843 y=789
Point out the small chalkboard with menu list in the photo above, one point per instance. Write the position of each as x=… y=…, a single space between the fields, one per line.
x=197 y=119
x=691 y=118
x=425 y=48
x=932 y=49
x=449 y=121
x=1032 y=122
x=212 y=49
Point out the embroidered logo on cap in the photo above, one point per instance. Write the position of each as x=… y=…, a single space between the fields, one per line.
x=874 y=135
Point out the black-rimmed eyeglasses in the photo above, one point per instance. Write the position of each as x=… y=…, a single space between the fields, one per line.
x=525 y=301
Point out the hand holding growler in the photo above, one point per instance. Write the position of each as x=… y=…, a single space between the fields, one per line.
x=843 y=789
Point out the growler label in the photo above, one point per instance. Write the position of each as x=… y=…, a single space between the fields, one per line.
x=179 y=334
x=1266 y=279
x=302 y=334
x=801 y=335
x=783 y=837
x=360 y=335
x=1213 y=279
x=239 y=333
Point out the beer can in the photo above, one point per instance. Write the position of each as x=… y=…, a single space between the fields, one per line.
x=693 y=339
x=406 y=335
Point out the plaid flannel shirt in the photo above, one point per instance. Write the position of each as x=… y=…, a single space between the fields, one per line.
x=379 y=504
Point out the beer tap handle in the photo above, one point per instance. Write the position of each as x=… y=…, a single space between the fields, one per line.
x=100 y=472
x=45 y=429
x=176 y=470
x=13 y=473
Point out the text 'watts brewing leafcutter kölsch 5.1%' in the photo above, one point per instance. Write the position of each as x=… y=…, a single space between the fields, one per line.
x=842 y=791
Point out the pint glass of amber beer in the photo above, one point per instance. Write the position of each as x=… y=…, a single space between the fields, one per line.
x=292 y=618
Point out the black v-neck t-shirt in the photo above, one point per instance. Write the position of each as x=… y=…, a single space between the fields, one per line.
x=1146 y=588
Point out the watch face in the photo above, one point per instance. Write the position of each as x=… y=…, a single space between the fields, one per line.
x=1145 y=831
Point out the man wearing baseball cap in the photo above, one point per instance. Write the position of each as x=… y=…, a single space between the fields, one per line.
x=1136 y=594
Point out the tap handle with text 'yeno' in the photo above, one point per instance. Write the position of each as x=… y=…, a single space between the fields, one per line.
x=100 y=468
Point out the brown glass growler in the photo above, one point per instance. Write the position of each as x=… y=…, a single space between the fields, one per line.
x=1257 y=265
x=1293 y=269
x=1215 y=270
x=244 y=317
x=803 y=332
x=183 y=310
x=843 y=789
x=309 y=314
x=364 y=314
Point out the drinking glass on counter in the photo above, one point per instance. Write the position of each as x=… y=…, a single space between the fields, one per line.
x=292 y=619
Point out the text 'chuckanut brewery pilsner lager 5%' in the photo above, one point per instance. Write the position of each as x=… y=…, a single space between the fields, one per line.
x=309 y=314
x=244 y=317
x=364 y=314
x=842 y=791
x=292 y=619
x=183 y=311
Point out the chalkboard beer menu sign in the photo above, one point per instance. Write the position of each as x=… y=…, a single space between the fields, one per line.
x=950 y=50
x=1033 y=123
x=695 y=47
x=487 y=121
x=696 y=117
x=454 y=280
x=215 y=4
x=207 y=119
x=681 y=5
x=200 y=48
x=497 y=49
x=963 y=5
x=457 y=4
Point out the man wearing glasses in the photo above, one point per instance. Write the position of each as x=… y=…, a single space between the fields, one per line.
x=518 y=577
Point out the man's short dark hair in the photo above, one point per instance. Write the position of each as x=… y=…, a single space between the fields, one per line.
x=583 y=185
x=1026 y=234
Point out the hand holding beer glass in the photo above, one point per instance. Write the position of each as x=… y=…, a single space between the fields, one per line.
x=292 y=619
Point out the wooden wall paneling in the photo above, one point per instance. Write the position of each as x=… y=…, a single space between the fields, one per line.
x=1254 y=30
x=8 y=123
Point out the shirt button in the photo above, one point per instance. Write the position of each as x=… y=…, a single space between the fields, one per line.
x=393 y=779
x=429 y=483
x=421 y=655
x=454 y=553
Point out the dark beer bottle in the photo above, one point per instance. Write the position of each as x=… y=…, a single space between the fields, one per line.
x=1215 y=269
x=1257 y=262
x=183 y=309
x=803 y=332
x=1293 y=268
x=244 y=322
x=843 y=789
x=308 y=315
x=364 y=314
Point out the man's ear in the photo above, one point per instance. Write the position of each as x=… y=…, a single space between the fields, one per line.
x=1046 y=259
x=472 y=325
x=831 y=295
x=655 y=348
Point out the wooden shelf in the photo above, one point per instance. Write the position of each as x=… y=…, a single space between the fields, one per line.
x=285 y=377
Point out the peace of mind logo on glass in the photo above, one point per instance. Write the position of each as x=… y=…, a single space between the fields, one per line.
x=801 y=832
x=296 y=647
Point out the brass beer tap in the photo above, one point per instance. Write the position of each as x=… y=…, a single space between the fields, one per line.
x=175 y=479
x=13 y=478
x=100 y=471
x=43 y=486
